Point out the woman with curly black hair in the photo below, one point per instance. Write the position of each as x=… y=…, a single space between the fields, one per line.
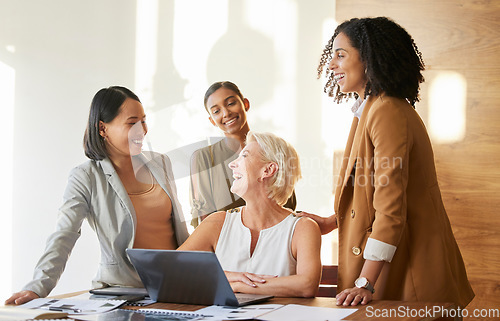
x=395 y=238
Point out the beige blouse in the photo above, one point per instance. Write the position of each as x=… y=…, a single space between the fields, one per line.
x=211 y=180
x=154 y=229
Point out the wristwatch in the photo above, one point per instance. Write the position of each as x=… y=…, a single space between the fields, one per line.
x=362 y=283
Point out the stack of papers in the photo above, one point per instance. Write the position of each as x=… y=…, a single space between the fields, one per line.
x=249 y=312
x=73 y=306
x=274 y=312
x=16 y=313
x=104 y=310
x=295 y=312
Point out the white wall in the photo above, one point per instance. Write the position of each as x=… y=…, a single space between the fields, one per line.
x=55 y=54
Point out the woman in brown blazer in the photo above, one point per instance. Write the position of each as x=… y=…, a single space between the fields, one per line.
x=395 y=238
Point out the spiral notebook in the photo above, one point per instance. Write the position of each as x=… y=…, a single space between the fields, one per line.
x=138 y=315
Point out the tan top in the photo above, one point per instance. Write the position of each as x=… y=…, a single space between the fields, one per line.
x=153 y=209
x=211 y=180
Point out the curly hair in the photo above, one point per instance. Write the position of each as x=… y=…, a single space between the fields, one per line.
x=392 y=60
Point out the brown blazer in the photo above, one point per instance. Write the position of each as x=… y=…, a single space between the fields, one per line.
x=388 y=190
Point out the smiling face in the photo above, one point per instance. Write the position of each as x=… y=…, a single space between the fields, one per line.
x=228 y=111
x=124 y=135
x=347 y=65
x=247 y=169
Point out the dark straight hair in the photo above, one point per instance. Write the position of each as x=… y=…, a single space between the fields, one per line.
x=105 y=107
x=217 y=85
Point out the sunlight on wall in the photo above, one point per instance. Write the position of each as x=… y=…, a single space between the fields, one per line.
x=337 y=118
x=282 y=29
x=336 y=121
x=146 y=39
x=169 y=66
x=191 y=58
x=447 y=107
x=146 y=49
x=7 y=91
x=180 y=47
x=262 y=51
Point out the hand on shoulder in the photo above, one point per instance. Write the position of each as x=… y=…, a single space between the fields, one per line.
x=326 y=224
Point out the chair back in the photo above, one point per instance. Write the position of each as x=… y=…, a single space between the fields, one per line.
x=328 y=283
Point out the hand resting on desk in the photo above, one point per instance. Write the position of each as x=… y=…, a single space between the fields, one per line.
x=21 y=297
x=354 y=296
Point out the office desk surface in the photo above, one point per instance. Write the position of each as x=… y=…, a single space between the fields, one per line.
x=375 y=310
x=401 y=310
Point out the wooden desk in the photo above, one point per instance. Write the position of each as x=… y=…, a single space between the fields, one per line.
x=375 y=310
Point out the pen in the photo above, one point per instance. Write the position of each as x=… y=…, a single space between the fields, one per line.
x=64 y=309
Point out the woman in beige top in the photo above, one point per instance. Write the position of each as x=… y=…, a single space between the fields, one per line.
x=211 y=177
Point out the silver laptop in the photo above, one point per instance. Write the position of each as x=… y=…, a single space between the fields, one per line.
x=188 y=277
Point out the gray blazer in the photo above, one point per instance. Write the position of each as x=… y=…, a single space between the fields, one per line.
x=95 y=193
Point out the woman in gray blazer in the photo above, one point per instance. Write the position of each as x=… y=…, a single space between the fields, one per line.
x=127 y=196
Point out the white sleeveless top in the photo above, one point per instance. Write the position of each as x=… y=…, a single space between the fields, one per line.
x=273 y=251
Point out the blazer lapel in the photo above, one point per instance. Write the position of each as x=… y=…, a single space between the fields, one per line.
x=116 y=184
x=352 y=149
x=342 y=178
x=159 y=171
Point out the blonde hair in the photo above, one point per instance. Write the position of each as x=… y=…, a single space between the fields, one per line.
x=277 y=150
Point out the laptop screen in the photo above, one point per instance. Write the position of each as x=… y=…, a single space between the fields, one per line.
x=189 y=277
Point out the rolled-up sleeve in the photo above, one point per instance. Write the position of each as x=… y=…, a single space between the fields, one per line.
x=376 y=250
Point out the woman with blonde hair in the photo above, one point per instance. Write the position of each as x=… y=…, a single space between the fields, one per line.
x=263 y=247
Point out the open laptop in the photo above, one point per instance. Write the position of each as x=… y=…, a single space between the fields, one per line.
x=188 y=277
